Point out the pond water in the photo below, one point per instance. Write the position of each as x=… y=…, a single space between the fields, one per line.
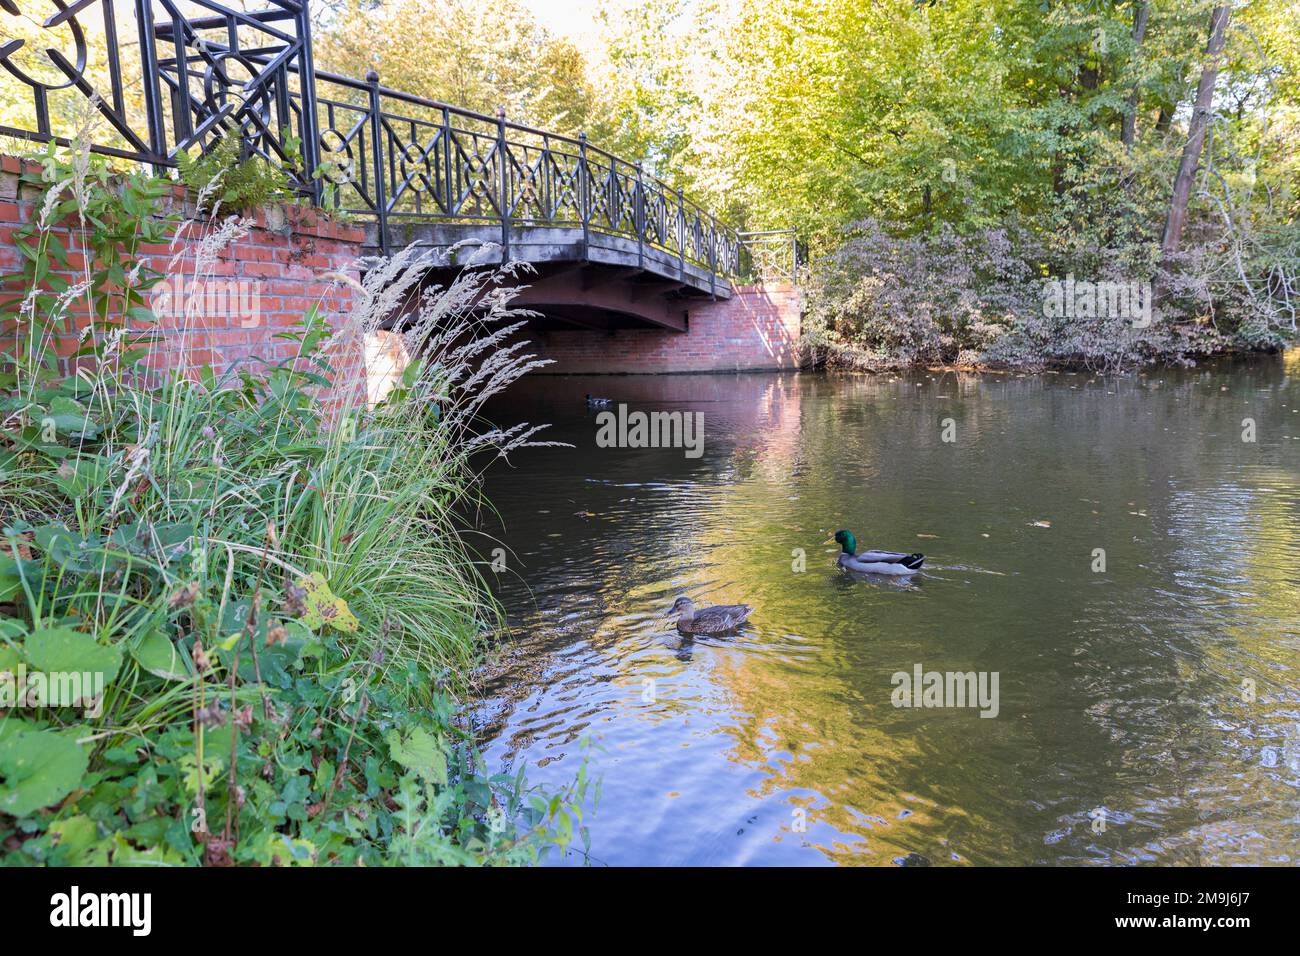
x=1146 y=712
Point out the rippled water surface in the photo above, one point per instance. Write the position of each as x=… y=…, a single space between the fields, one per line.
x=1148 y=713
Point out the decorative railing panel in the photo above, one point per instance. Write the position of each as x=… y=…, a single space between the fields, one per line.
x=772 y=255
x=165 y=77
x=173 y=76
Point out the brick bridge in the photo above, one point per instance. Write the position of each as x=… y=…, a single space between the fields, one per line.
x=631 y=276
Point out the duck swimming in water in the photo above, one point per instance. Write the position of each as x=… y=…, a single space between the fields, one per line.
x=721 y=619
x=874 y=562
x=593 y=402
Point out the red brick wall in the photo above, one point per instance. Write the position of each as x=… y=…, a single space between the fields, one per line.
x=224 y=313
x=757 y=328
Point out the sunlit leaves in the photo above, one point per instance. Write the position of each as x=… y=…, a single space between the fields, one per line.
x=323 y=607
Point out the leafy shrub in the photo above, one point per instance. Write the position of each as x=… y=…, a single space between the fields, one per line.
x=223 y=177
x=882 y=299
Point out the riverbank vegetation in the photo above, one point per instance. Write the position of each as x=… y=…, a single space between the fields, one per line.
x=948 y=161
x=249 y=594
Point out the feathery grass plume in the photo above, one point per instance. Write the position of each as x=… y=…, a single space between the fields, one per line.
x=410 y=465
x=142 y=529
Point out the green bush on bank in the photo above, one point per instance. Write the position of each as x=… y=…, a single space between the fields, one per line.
x=994 y=297
x=266 y=589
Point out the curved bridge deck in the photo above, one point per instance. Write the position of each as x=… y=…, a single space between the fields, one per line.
x=561 y=246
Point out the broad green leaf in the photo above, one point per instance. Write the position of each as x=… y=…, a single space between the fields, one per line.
x=168 y=540
x=71 y=419
x=38 y=768
x=62 y=650
x=10 y=582
x=159 y=656
x=76 y=842
x=76 y=477
x=278 y=849
x=67 y=548
x=419 y=751
x=124 y=854
x=213 y=765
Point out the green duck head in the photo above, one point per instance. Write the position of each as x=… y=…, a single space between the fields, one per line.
x=844 y=538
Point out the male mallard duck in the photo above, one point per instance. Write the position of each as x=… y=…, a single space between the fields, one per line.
x=710 y=620
x=874 y=562
x=593 y=402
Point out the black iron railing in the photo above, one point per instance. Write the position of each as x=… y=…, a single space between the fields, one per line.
x=172 y=76
x=773 y=254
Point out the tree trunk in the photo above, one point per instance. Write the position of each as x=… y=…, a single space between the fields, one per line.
x=1195 y=134
x=1128 y=128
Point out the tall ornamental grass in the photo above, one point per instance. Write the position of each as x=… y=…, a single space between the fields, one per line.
x=236 y=613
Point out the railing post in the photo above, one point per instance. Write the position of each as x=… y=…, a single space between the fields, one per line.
x=149 y=71
x=376 y=130
x=713 y=257
x=584 y=196
x=681 y=232
x=309 y=126
x=503 y=200
x=448 y=177
x=639 y=218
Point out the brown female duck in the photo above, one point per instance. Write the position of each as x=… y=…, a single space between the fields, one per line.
x=720 y=619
